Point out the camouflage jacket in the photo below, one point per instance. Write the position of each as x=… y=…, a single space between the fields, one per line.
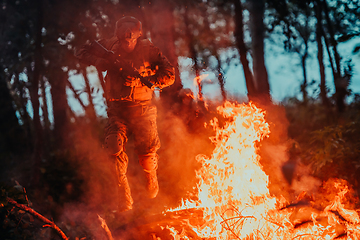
x=145 y=58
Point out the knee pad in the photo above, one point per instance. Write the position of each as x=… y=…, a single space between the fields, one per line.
x=149 y=162
x=114 y=144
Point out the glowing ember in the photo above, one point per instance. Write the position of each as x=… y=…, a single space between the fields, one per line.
x=234 y=196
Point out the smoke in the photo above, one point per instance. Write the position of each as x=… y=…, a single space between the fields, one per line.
x=181 y=143
x=304 y=182
x=94 y=183
x=80 y=221
x=288 y=176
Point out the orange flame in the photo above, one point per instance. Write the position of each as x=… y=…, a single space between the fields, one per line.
x=233 y=189
x=199 y=79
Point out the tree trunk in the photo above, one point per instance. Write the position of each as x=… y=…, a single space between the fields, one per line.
x=10 y=130
x=320 y=54
x=192 y=50
x=305 y=35
x=34 y=78
x=331 y=60
x=221 y=78
x=240 y=44
x=47 y=124
x=340 y=87
x=21 y=102
x=162 y=35
x=90 y=110
x=101 y=79
x=331 y=33
x=256 y=9
x=45 y=104
x=60 y=106
x=304 y=85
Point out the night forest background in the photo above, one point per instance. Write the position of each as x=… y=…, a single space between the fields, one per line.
x=51 y=157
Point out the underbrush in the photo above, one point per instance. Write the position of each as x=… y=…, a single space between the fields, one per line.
x=327 y=141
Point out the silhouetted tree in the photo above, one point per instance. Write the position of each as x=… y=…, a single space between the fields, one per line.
x=256 y=10
x=242 y=48
x=161 y=17
x=11 y=137
x=320 y=55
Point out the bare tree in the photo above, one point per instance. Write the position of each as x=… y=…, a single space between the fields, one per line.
x=340 y=82
x=256 y=9
x=161 y=18
x=34 y=89
x=320 y=55
x=243 y=50
x=221 y=77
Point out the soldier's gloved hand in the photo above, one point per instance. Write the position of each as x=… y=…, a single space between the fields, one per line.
x=153 y=80
x=132 y=82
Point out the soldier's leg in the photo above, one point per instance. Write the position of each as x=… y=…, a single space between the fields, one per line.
x=149 y=162
x=147 y=143
x=114 y=145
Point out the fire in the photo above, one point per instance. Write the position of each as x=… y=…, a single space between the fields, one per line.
x=233 y=193
x=197 y=80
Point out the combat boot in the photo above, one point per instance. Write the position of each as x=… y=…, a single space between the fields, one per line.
x=126 y=201
x=152 y=185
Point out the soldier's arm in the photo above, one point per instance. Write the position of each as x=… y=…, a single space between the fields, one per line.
x=165 y=72
x=89 y=59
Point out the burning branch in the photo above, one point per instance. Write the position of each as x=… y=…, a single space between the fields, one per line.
x=106 y=228
x=50 y=224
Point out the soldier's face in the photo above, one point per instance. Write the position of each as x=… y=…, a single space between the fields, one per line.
x=128 y=44
x=128 y=33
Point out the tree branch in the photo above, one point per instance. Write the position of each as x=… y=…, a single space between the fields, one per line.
x=39 y=216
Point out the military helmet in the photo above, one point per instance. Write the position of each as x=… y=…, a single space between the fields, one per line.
x=128 y=28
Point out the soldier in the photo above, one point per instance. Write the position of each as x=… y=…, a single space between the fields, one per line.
x=130 y=109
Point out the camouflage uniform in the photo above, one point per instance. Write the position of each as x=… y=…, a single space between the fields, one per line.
x=130 y=109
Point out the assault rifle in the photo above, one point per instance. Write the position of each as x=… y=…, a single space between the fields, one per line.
x=100 y=51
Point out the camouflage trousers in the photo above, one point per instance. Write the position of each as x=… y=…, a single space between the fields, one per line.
x=136 y=120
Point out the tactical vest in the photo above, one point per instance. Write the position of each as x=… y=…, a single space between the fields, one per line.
x=122 y=88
